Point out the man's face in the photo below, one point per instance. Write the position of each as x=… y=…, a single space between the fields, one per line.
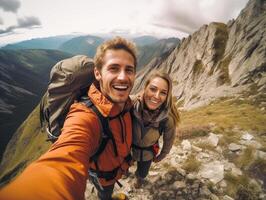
x=117 y=75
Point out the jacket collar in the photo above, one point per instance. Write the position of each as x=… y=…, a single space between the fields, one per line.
x=146 y=116
x=105 y=106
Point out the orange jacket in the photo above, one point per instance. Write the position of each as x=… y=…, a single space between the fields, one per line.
x=61 y=173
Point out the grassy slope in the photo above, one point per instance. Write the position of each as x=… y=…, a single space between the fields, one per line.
x=226 y=115
x=27 y=144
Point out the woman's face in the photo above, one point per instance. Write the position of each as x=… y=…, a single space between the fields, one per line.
x=155 y=94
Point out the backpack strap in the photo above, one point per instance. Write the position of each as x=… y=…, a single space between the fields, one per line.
x=106 y=131
x=162 y=126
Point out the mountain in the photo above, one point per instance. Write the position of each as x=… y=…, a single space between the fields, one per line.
x=218 y=60
x=144 y=40
x=148 y=51
x=84 y=45
x=40 y=43
x=23 y=76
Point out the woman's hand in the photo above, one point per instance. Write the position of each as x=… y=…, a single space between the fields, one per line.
x=158 y=158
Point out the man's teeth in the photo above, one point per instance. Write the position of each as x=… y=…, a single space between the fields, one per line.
x=120 y=87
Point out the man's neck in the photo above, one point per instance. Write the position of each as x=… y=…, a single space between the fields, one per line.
x=121 y=106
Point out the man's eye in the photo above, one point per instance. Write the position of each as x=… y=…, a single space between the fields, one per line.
x=113 y=69
x=130 y=71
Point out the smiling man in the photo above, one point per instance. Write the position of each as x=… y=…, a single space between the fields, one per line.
x=62 y=172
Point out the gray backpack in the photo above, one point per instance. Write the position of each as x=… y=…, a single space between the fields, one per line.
x=69 y=80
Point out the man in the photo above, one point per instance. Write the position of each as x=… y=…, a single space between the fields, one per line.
x=62 y=172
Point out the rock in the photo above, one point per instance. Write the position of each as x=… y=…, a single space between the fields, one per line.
x=261 y=154
x=228 y=166
x=262 y=196
x=214 y=171
x=197 y=149
x=186 y=145
x=213 y=140
x=251 y=143
x=234 y=147
x=236 y=171
x=203 y=155
x=205 y=192
x=153 y=173
x=191 y=177
x=214 y=197
x=226 y=197
x=181 y=171
x=247 y=136
x=219 y=149
x=177 y=185
x=223 y=184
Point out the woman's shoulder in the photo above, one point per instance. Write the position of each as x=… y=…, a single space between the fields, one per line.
x=169 y=121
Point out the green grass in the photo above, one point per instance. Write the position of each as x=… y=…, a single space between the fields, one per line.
x=192 y=131
x=246 y=158
x=241 y=187
x=191 y=164
x=205 y=145
x=226 y=115
x=27 y=145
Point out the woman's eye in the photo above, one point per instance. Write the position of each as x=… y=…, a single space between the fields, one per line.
x=163 y=93
x=153 y=89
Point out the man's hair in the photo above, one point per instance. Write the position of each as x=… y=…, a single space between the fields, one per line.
x=116 y=43
x=169 y=100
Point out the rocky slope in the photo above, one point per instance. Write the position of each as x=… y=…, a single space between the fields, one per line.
x=218 y=59
x=173 y=179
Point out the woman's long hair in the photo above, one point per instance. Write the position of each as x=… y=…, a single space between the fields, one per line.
x=168 y=104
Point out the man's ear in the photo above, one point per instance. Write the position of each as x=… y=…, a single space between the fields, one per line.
x=97 y=74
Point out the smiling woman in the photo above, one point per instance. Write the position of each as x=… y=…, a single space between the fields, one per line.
x=154 y=114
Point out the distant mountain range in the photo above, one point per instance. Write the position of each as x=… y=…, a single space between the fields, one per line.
x=148 y=46
x=84 y=45
x=41 y=43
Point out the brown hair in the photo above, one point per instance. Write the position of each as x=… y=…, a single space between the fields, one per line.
x=114 y=44
x=168 y=104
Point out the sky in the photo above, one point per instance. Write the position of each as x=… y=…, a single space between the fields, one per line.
x=27 y=19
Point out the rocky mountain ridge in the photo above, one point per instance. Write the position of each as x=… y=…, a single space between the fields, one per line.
x=218 y=60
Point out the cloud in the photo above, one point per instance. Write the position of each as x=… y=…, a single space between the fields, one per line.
x=26 y=22
x=189 y=15
x=1 y=21
x=10 y=5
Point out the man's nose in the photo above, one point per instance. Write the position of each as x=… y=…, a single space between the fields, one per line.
x=121 y=75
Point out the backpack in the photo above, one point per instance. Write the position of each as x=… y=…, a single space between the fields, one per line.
x=69 y=80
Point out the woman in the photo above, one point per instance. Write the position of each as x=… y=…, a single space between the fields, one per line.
x=155 y=115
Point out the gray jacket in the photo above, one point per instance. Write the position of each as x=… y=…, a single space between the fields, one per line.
x=146 y=131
